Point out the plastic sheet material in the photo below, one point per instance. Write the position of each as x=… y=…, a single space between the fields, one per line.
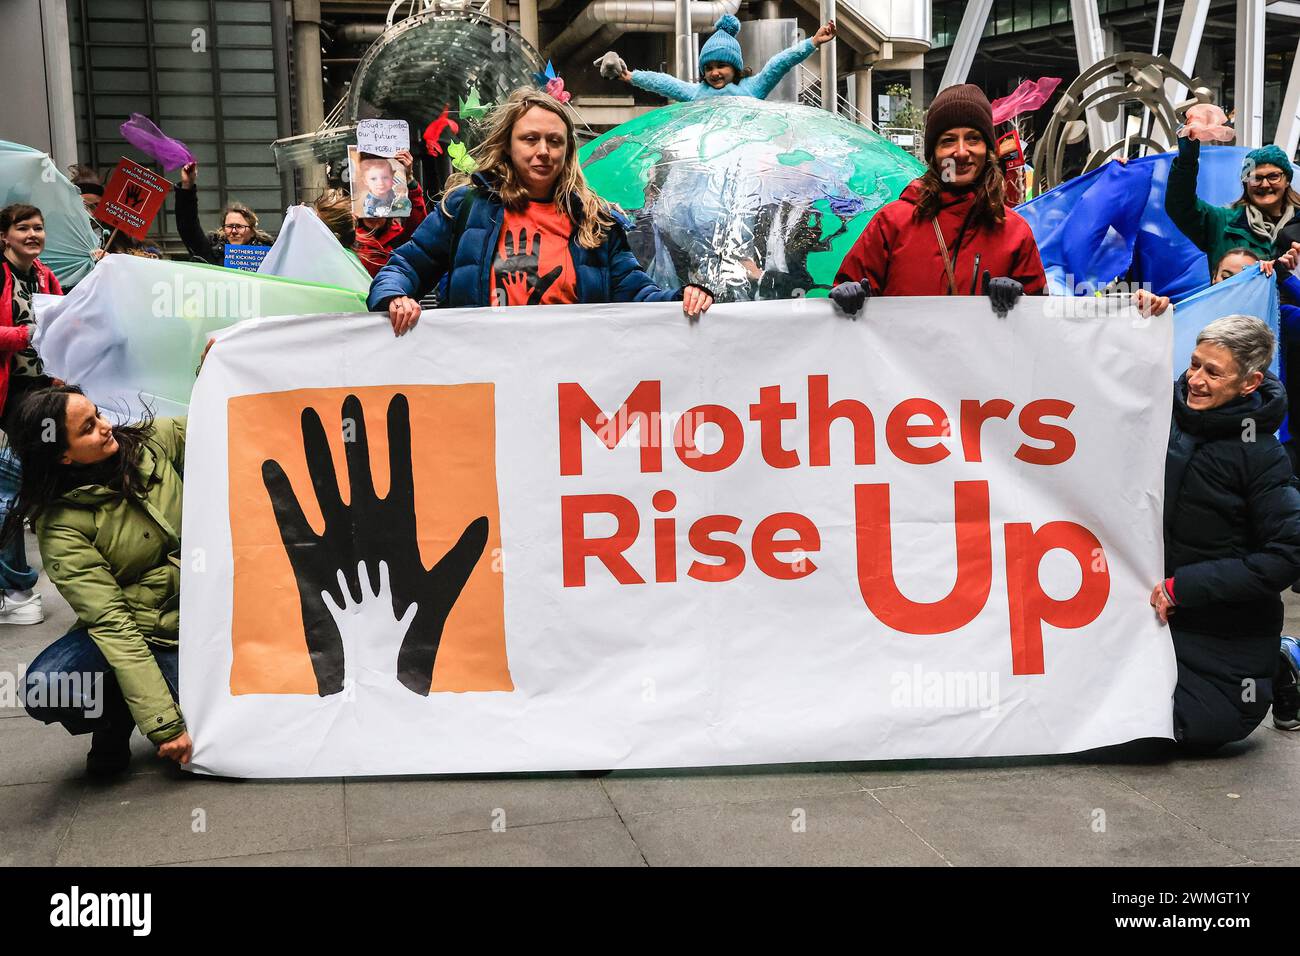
x=749 y=198
x=1208 y=123
x=132 y=332
x=313 y=149
x=1028 y=96
x=28 y=175
x=305 y=250
x=431 y=61
x=142 y=133
x=1085 y=228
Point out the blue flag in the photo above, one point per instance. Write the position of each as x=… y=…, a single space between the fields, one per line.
x=1110 y=224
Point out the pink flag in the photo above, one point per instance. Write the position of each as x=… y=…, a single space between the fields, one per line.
x=1029 y=95
x=141 y=133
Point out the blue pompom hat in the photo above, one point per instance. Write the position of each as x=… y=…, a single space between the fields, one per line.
x=1270 y=155
x=722 y=46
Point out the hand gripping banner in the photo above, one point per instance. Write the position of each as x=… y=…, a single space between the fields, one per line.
x=585 y=537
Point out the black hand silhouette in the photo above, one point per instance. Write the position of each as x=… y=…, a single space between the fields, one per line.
x=523 y=261
x=133 y=196
x=539 y=286
x=518 y=262
x=368 y=530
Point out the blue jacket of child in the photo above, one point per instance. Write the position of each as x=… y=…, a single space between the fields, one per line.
x=758 y=86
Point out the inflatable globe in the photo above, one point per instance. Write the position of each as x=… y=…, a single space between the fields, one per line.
x=432 y=61
x=752 y=199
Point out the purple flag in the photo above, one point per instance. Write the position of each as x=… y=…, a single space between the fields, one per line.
x=141 y=133
x=1029 y=95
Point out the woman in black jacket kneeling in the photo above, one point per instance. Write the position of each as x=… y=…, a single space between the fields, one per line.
x=1232 y=538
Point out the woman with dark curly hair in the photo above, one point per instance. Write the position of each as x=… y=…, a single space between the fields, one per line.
x=105 y=501
x=951 y=231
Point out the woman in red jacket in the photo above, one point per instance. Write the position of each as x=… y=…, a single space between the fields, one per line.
x=23 y=275
x=22 y=230
x=951 y=231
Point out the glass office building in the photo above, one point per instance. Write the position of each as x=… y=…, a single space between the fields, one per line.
x=213 y=73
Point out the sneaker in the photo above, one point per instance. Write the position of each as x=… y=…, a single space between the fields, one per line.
x=1286 y=689
x=28 y=611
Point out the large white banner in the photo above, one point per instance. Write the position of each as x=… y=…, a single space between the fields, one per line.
x=602 y=537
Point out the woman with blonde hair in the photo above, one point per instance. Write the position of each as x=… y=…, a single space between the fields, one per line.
x=524 y=229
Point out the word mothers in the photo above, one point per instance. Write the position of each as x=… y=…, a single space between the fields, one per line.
x=75 y=908
x=913 y=442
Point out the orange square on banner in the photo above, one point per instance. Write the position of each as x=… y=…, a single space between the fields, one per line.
x=453 y=472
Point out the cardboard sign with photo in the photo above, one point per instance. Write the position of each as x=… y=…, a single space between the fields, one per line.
x=379 y=187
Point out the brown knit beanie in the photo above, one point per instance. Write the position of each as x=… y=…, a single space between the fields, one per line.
x=964 y=105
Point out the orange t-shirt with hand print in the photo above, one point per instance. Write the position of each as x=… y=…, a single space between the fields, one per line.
x=532 y=264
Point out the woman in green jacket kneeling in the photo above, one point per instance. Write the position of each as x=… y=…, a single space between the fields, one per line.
x=105 y=501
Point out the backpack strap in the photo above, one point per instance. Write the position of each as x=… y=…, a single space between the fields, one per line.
x=458 y=230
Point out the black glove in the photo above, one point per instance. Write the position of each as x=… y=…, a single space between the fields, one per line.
x=849 y=296
x=1003 y=293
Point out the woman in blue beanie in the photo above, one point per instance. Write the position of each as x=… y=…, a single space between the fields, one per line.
x=721 y=67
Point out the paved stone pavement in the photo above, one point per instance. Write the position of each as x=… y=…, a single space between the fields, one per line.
x=1226 y=810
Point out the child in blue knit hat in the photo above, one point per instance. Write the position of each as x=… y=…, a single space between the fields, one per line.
x=721 y=67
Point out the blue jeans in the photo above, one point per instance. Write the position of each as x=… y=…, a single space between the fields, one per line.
x=15 y=573
x=72 y=683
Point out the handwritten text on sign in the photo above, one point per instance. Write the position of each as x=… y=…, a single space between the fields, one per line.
x=381 y=137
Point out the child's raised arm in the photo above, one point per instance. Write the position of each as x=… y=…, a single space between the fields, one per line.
x=666 y=86
x=612 y=67
x=775 y=69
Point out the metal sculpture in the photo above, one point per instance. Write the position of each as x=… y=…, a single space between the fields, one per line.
x=1136 y=79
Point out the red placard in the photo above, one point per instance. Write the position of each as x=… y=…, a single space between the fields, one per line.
x=132 y=199
x=1010 y=151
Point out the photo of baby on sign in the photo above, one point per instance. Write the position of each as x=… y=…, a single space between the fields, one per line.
x=378 y=186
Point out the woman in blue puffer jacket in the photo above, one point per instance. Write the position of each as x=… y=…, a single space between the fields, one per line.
x=526 y=229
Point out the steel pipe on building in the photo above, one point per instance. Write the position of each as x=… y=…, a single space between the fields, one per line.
x=830 y=76
x=655 y=16
x=308 y=83
x=683 y=48
x=528 y=21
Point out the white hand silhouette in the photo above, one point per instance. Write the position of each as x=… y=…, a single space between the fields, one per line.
x=371 y=634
